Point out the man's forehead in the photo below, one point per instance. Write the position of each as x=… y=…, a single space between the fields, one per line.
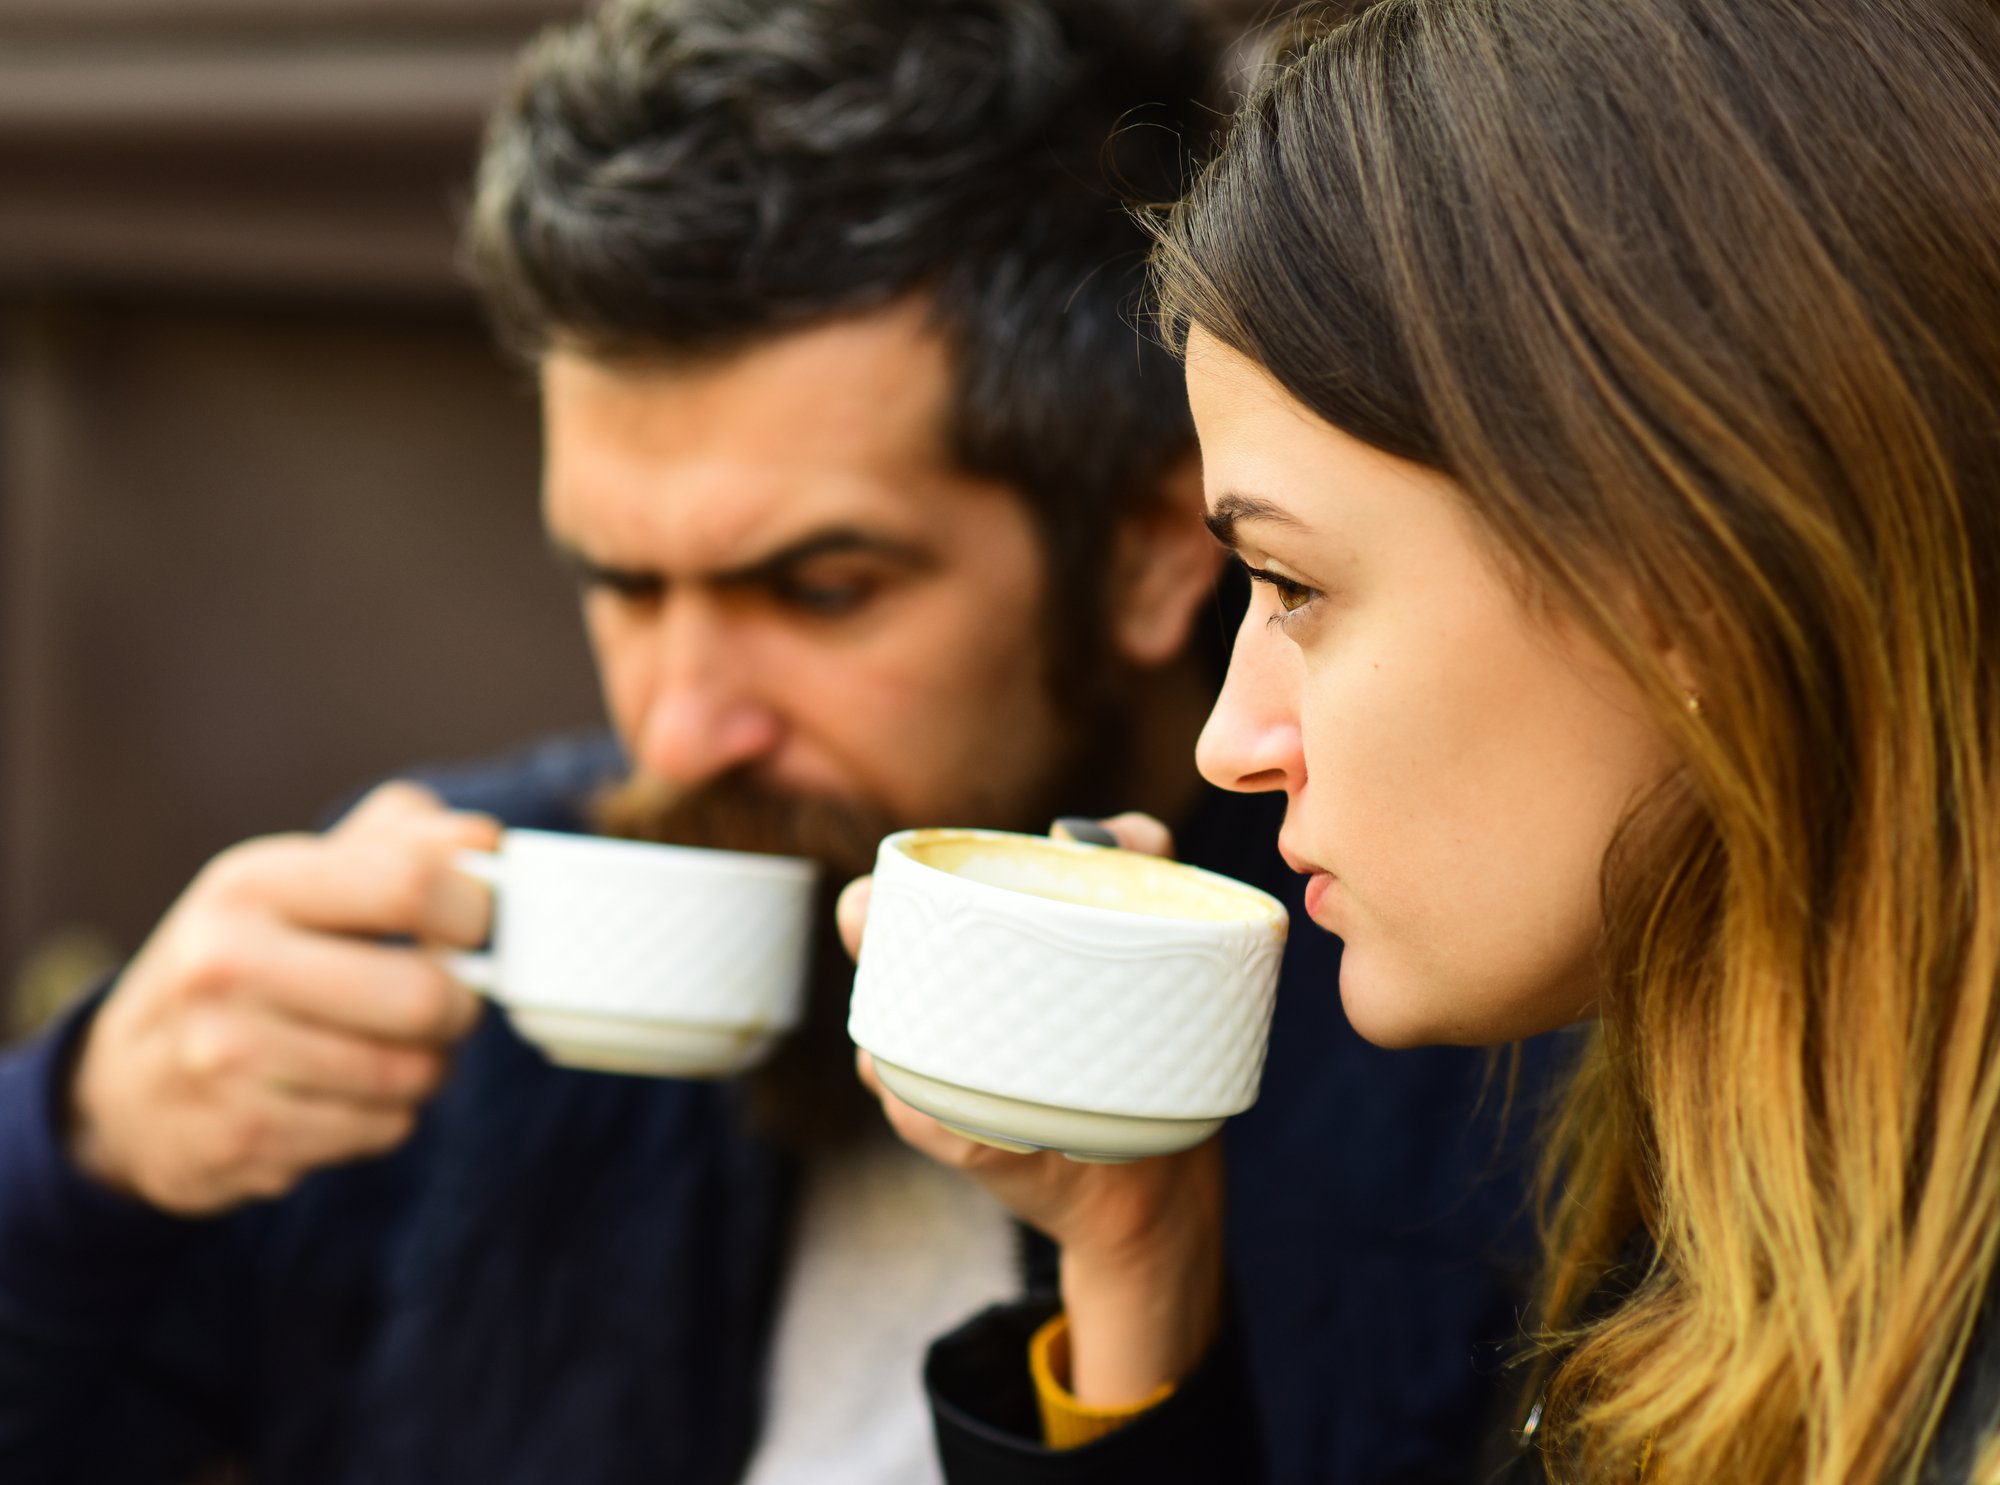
x=842 y=423
x=723 y=518
x=874 y=386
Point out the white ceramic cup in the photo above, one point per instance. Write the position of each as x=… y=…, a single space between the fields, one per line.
x=627 y=957
x=1042 y=994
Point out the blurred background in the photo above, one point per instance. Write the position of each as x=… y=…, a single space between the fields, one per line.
x=267 y=493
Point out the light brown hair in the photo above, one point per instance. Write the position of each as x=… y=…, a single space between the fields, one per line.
x=1700 y=302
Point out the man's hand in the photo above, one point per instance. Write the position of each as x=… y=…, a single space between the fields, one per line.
x=262 y=1033
x=1141 y=1243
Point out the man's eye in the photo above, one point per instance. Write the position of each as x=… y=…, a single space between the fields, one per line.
x=824 y=600
x=827 y=601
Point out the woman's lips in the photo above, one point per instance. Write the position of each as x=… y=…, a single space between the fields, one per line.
x=1321 y=883
x=1316 y=890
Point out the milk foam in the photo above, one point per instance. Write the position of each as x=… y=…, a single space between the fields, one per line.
x=1122 y=881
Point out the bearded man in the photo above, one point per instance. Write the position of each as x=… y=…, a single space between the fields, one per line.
x=885 y=513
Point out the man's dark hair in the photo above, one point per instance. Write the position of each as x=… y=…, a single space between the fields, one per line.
x=690 y=177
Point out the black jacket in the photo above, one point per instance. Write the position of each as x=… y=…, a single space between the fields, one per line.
x=571 y=1276
x=989 y=1430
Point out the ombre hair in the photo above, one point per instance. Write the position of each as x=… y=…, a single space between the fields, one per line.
x=1699 y=301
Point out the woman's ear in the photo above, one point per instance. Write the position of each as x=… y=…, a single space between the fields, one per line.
x=1164 y=565
x=1671 y=654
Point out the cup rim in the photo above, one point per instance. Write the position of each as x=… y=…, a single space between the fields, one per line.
x=1278 y=915
x=796 y=870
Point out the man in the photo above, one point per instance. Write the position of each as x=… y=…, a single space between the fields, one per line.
x=885 y=514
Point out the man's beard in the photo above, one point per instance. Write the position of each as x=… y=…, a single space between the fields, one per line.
x=807 y=1097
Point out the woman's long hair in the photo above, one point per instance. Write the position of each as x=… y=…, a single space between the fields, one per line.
x=1700 y=302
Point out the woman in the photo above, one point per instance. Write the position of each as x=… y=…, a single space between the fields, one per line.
x=1605 y=396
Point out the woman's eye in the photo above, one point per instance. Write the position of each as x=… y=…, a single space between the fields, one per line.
x=1291 y=596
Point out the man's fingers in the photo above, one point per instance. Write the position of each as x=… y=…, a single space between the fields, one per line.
x=354 y=885
x=272 y=1051
x=850 y=913
x=408 y=814
x=319 y=1132
x=259 y=1145
x=342 y=984
x=393 y=809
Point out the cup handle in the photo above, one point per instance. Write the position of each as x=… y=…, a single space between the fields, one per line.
x=477 y=969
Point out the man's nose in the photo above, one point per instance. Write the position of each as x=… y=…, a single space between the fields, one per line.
x=705 y=715
x=1252 y=742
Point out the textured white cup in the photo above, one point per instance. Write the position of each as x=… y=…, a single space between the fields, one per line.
x=628 y=957
x=1041 y=994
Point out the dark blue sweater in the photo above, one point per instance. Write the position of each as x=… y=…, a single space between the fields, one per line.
x=571 y=1276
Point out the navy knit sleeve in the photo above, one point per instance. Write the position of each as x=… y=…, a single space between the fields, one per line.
x=81 y=1270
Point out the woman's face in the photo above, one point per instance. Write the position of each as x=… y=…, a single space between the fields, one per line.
x=1455 y=762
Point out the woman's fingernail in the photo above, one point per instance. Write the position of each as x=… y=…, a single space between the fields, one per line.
x=1088 y=832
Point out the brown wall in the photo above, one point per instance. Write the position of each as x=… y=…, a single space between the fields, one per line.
x=266 y=493
x=267 y=523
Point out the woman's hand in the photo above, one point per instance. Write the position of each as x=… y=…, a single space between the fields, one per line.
x=1141 y=1243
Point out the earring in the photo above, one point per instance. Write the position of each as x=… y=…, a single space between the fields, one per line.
x=1693 y=703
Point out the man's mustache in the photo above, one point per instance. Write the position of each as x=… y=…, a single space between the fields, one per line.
x=740 y=812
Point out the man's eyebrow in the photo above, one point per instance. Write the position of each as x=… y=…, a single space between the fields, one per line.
x=835 y=541
x=1230 y=509
x=589 y=570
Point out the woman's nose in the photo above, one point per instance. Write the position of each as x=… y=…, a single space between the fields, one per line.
x=1251 y=743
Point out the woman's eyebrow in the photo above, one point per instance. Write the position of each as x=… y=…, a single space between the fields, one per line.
x=1229 y=509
